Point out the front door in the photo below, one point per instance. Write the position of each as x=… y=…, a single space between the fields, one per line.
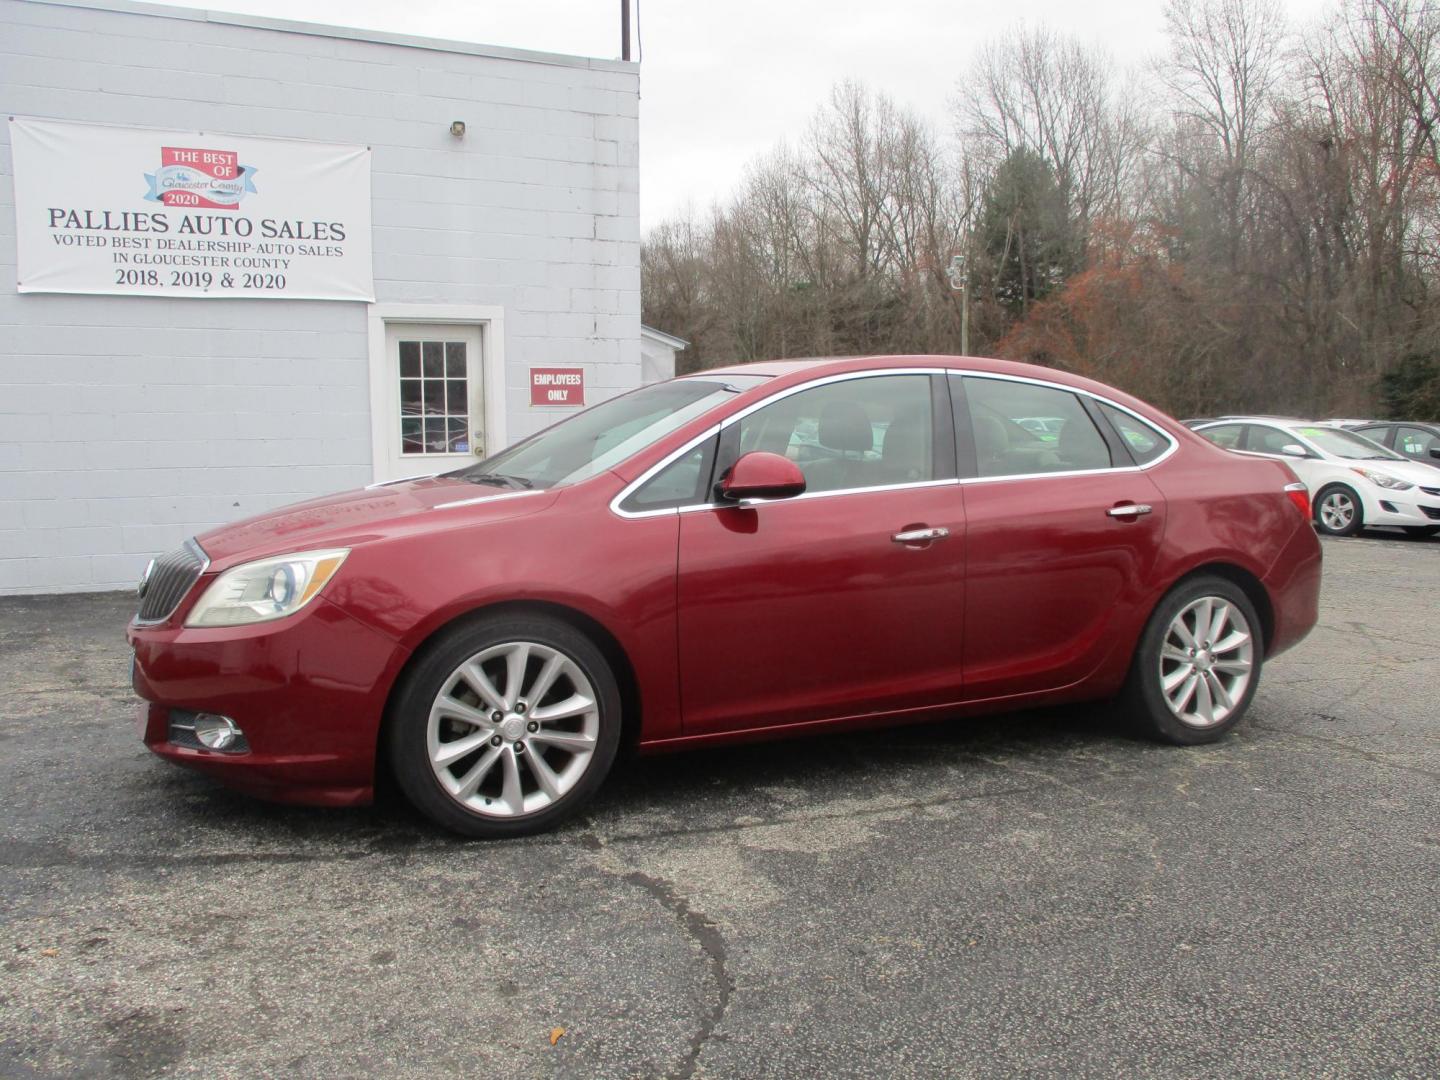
x=819 y=607
x=432 y=417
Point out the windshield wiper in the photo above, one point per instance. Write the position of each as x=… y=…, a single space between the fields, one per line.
x=499 y=480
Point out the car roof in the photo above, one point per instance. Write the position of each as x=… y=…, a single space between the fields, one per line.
x=811 y=367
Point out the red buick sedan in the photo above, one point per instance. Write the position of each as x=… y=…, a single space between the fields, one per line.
x=766 y=550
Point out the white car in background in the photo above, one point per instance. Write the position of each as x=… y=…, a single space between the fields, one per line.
x=1353 y=481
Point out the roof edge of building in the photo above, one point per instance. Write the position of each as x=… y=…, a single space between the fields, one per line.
x=381 y=37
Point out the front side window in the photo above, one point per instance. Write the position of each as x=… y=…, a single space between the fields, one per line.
x=590 y=442
x=856 y=433
x=1269 y=440
x=1020 y=429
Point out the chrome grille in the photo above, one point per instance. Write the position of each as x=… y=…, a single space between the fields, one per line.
x=168 y=580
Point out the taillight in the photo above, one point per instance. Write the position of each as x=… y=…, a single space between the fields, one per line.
x=1300 y=497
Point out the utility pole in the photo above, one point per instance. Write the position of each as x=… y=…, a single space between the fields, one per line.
x=624 y=29
x=960 y=282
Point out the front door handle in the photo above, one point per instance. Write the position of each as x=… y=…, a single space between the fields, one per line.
x=1129 y=510
x=919 y=536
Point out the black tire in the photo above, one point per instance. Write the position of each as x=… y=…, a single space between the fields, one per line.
x=1143 y=701
x=1421 y=531
x=434 y=671
x=1341 y=494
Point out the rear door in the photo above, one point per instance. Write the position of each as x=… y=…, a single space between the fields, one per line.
x=1061 y=536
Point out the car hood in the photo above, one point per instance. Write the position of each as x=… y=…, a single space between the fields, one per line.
x=353 y=517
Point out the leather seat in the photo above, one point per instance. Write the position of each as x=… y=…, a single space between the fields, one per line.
x=845 y=429
x=906 y=449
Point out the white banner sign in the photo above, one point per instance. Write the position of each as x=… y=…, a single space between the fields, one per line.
x=135 y=212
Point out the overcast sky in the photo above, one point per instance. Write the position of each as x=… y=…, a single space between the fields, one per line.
x=725 y=80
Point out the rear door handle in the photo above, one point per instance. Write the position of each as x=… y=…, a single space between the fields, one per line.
x=917 y=536
x=1129 y=510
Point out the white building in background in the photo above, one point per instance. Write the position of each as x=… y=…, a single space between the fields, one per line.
x=258 y=260
x=658 y=352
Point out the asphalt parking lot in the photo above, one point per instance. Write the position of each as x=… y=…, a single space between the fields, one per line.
x=1031 y=895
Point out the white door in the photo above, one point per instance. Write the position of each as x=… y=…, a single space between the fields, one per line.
x=433 y=414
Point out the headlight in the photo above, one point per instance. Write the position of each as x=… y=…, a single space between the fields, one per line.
x=1384 y=480
x=268 y=589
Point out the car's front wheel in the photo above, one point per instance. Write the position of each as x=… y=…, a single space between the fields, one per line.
x=505 y=726
x=1197 y=665
x=1338 y=511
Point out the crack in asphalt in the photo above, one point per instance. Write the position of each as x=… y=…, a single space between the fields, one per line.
x=1345 y=748
x=707 y=935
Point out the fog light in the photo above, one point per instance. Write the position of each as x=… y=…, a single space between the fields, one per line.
x=1388 y=507
x=218 y=732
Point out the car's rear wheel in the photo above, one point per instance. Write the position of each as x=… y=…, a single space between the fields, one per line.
x=1422 y=530
x=506 y=726
x=1197 y=664
x=1338 y=511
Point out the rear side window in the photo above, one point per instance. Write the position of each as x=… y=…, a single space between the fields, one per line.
x=1145 y=443
x=1413 y=441
x=1226 y=435
x=1020 y=428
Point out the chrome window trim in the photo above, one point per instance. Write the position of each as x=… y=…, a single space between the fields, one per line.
x=1054 y=473
x=715 y=429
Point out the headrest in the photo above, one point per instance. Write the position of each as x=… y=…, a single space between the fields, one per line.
x=844 y=426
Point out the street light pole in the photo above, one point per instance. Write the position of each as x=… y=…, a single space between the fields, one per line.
x=960 y=282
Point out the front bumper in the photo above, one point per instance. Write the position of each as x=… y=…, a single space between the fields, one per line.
x=1403 y=508
x=309 y=692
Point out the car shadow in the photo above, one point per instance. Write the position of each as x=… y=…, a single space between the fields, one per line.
x=1394 y=534
x=714 y=782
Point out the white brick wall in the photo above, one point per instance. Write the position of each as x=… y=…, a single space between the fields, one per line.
x=129 y=423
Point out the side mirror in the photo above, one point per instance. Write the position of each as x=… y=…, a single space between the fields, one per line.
x=1435 y=451
x=1294 y=450
x=761 y=475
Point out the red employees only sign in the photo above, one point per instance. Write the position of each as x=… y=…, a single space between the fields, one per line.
x=557 y=386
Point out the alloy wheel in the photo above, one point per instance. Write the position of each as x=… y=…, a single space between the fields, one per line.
x=1206 y=661
x=513 y=729
x=1337 y=511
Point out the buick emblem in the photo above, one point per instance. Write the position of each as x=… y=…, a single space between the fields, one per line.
x=145 y=580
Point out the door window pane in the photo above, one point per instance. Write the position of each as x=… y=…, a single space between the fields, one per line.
x=1021 y=428
x=858 y=433
x=1269 y=440
x=433 y=386
x=1226 y=435
x=1414 y=443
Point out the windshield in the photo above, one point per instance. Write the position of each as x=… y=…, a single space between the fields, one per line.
x=1347 y=445
x=606 y=434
